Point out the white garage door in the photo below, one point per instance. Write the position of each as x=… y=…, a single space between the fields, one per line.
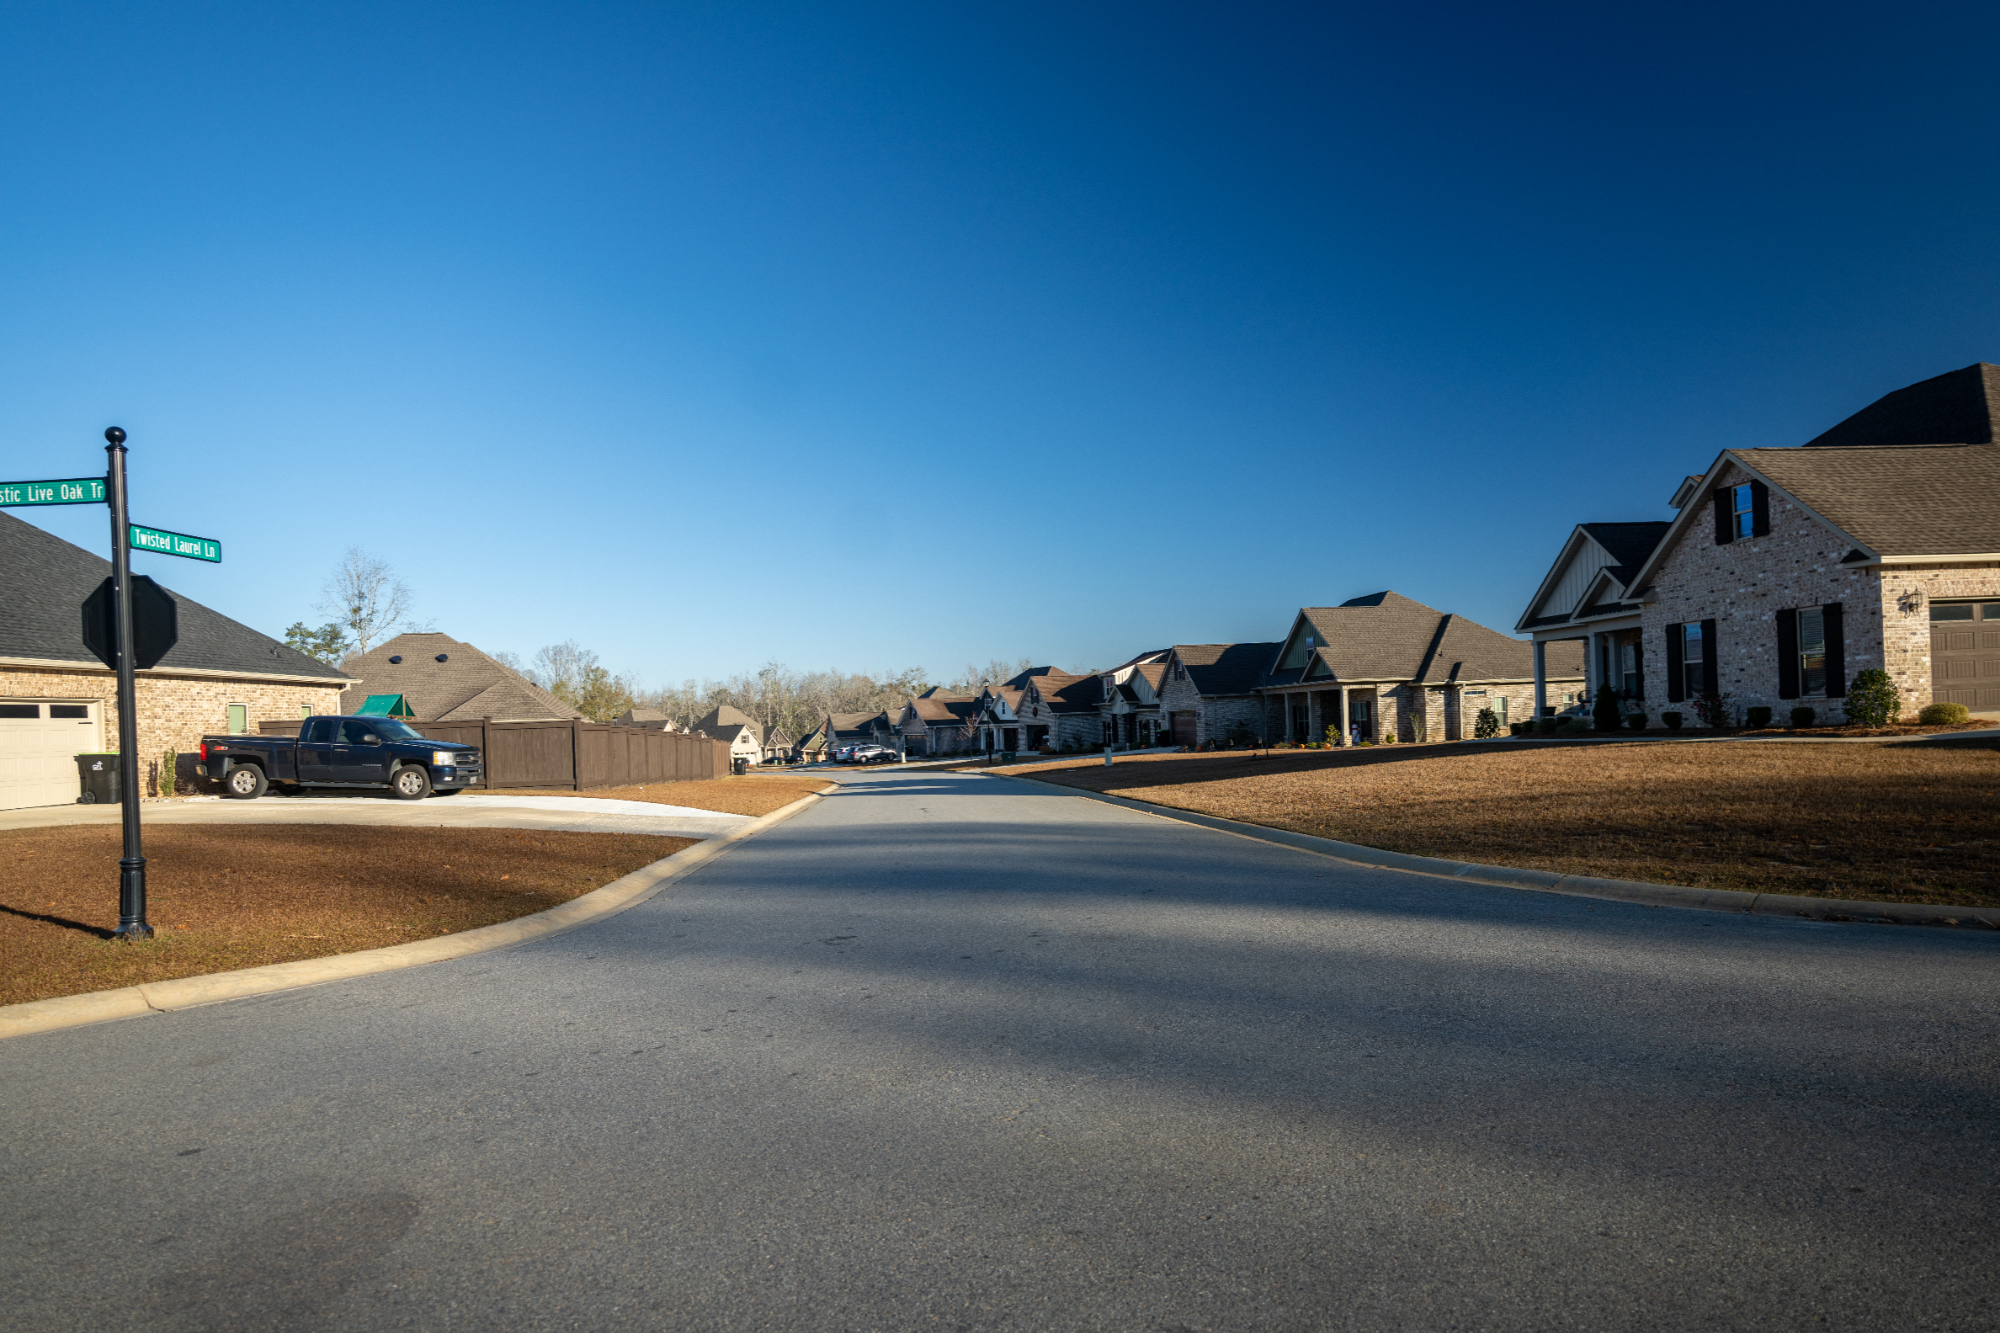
x=39 y=742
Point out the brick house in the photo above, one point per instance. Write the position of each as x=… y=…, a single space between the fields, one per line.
x=1385 y=667
x=1876 y=544
x=57 y=700
x=1209 y=690
x=1060 y=711
x=1584 y=598
x=1129 y=707
x=447 y=680
x=843 y=729
x=937 y=722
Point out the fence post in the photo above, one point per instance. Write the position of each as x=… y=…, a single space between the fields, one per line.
x=486 y=749
x=576 y=754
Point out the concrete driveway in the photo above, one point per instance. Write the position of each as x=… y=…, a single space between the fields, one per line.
x=955 y=1051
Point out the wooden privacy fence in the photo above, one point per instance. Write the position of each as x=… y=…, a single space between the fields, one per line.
x=573 y=755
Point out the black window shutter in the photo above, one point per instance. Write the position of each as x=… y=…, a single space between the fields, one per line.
x=1723 y=520
x=1788 y=654
x=1674 y=663
x=1711 y=673
x=1836 y=652
x=1760 y=509
x=1639 y=676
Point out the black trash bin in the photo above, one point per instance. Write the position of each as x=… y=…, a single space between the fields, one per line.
x=739 y=766
x=98 y=774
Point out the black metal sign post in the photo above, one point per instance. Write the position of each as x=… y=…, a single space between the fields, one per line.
x=132 y=865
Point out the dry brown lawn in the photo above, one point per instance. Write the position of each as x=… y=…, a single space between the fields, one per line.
x=730 y=796
x=224 y=898
x=1901 y=823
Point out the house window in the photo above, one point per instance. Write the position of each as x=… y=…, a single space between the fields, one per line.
x=1812 y=650
x=239 y=719
x=305 y=711
x=1691 y=660
x=1628 y=669
x=1742 y=511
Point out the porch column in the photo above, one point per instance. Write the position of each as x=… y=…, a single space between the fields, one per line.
x=1541 y=678
x=1285 y=703
x=1314 y=727
x=1346 y=719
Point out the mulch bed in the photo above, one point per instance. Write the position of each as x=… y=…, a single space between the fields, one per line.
x=1898 y=823
x=728 y=796
x=230 y=897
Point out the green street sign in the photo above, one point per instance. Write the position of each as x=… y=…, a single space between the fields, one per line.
x=75 y=491
x=175 y=543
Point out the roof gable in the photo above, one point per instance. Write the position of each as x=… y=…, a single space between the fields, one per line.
x=466 y=685
x=49 y=578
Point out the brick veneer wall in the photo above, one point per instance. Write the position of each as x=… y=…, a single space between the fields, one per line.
x=1215 y=718
x=1907 y=593
x=1742 y=586
x=175 y=712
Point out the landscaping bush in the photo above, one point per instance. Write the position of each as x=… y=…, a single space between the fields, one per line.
x=1712 y=709
x=1609 y=710
x=1873 y=699
x=1944 y=715
x=1672 y=721
x=1757 y=718
x=1520 y=728
x=1636 y=721
x=1486 y=725
x=1544 y=726
x=1243 y=736
x=1804 y=716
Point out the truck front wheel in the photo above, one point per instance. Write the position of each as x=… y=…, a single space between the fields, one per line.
x=244 y=783
x=410 y=783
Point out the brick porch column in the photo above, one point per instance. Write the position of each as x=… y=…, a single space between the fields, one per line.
x=1541 y=678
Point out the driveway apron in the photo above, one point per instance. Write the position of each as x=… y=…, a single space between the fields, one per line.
x=949 y=1050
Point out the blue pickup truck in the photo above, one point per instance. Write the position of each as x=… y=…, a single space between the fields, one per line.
x=341 y=752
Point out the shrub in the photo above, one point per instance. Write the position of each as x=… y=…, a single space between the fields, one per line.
x=1712 y=709
x=1944 y=715
x=1243 y=736
x=168 y=759
x=1672 y=721
x=1757 y=718
x=1804 y=716
x=1873 y=699
x=1636 y=721
x=1520 y=728
x=1486 y=725
x=1609 y=710
x=1545 y=725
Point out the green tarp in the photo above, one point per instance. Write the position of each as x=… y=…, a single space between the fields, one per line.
x=385 y=705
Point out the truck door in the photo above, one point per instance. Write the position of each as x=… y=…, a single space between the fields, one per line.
x=360 y=755
x=315 y=752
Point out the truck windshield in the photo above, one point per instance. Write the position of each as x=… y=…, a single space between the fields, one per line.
x=393 y=730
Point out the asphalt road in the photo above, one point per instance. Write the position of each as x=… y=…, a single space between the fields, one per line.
x=950 y=1051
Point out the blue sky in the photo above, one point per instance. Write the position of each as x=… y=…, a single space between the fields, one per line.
x=889 y=336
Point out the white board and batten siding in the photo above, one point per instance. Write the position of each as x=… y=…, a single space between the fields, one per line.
x=1567 y=595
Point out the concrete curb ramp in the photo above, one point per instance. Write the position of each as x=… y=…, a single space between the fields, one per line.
x=1575 y=886
x=17 y=1020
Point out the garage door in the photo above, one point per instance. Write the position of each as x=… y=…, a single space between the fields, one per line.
x=39 y=742
x=1183 y=724
x=39 y=745
x=1965 y=654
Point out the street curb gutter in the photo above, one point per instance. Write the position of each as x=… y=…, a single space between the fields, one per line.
x=18 y=1020
x=1548 y=881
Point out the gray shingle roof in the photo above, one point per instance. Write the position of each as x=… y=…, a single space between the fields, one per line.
x=48 y=579
x=1386 y=636
x=466 y=686
x=724 y=716
x=1957 y=407
x=1226 y=668
x=1901 y=500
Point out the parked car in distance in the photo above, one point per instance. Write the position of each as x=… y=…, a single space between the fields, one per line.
x=872 y=754
x=341 y=752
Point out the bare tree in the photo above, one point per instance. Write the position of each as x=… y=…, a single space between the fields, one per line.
x=365 y=598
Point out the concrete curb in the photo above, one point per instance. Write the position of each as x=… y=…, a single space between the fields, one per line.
x=1548 y=881
x=18 y=1020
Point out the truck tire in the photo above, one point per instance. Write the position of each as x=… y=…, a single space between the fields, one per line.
x=245 y=783
x=410 y=783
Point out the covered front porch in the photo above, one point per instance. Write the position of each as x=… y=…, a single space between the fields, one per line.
x=1614 y=654
x=1354 y=713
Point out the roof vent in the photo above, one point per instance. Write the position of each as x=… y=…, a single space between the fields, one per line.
x=395 y=661
x=443 y=656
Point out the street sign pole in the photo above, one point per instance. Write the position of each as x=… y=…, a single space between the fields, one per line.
x=132 y=865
